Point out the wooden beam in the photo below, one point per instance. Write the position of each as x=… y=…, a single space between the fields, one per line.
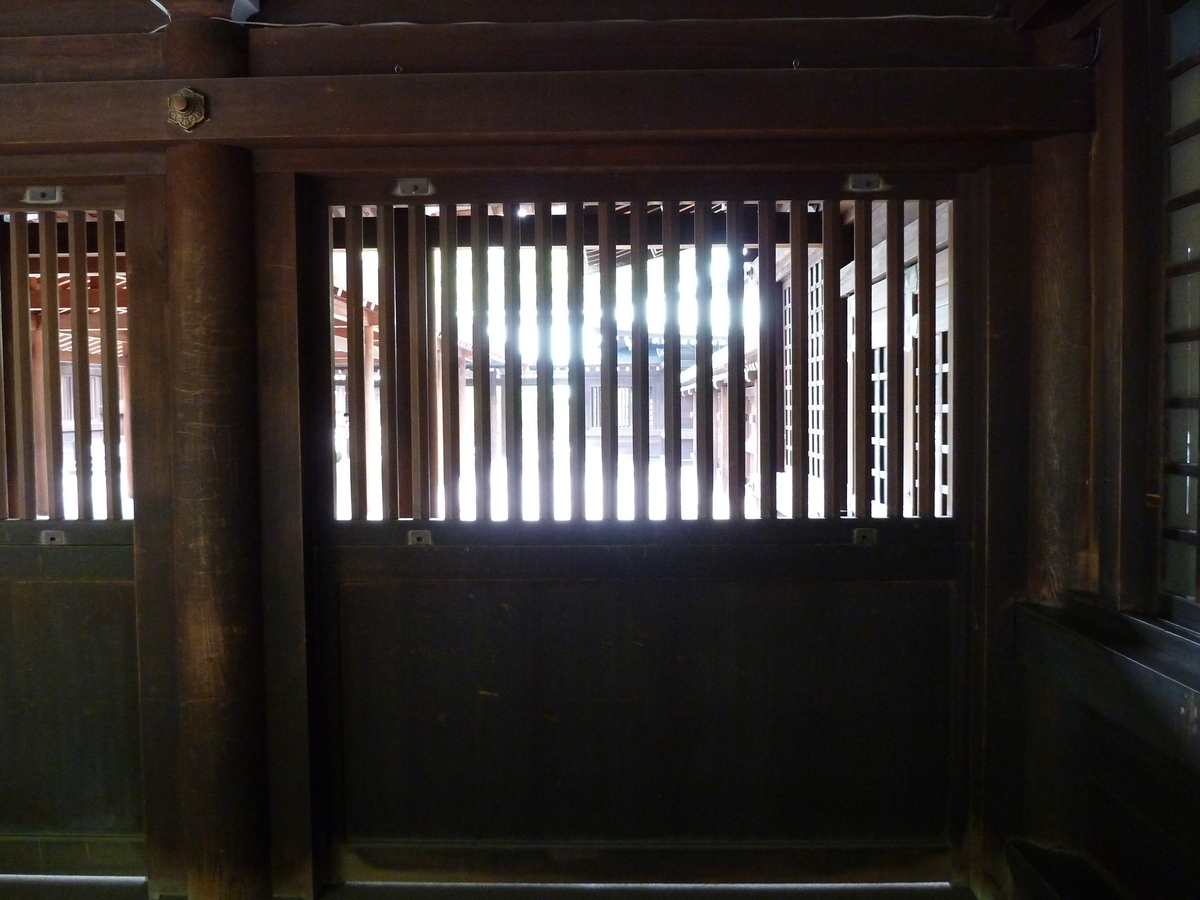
x=897 y=160
x=67 y=17
x=611 y=45
x=102 y=57
x=361 y=11
x=1039 y=13
x=351 y=110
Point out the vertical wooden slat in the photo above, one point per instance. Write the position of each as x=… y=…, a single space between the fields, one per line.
x=385 y=235
x=798 y=246
x=22 y=371
x=433 y=452
x=926 y=335
x=419 y=383
x=38 y=382
x=543 y=241
x=51 y=366
x=481 y=364
x=702 y=436
x=402 y=375
x=451 y=443
x=770 y=326
x=81 y=361
x=576 y=426
x=126 y=428
x=5 y=385
x=895 y=358
x=356 y=405
x=862 y=358
x=835 y=365
x=608 y=359
x=948 y=399
x=110 y=383
x=735 y=444
x=372 y=411
x=672 y=417
x=640 y=361
x=512 y=357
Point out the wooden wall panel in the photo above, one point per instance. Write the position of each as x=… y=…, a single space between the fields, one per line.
x=68 y=704
x=617 y=711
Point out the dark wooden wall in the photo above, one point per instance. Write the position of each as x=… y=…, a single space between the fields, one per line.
x=70 y=782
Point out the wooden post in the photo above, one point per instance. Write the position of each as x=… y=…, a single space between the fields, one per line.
x=1060 y=354
x=151 y=449
x=217 y=584
x=218 y=589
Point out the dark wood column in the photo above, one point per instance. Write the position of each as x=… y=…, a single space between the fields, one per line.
x=1062 y=534
x=1062 y=556
x=218 y=594
x=217 y=583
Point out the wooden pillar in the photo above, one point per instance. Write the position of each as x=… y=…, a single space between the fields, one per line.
x=222 y=776
x=1060 y=371
x=217 y=584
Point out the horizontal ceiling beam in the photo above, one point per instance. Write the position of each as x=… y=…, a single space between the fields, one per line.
x=544 y=47
x=610 y=46
x=63 y=17
x=363 y=110
x=364 y=11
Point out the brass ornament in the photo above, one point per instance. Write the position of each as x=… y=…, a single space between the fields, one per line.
x=186 y=108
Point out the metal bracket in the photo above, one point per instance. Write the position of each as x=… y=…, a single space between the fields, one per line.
x=186 y=108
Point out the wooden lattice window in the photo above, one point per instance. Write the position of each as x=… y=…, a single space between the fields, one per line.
x=499 y=360
x=65 y=424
